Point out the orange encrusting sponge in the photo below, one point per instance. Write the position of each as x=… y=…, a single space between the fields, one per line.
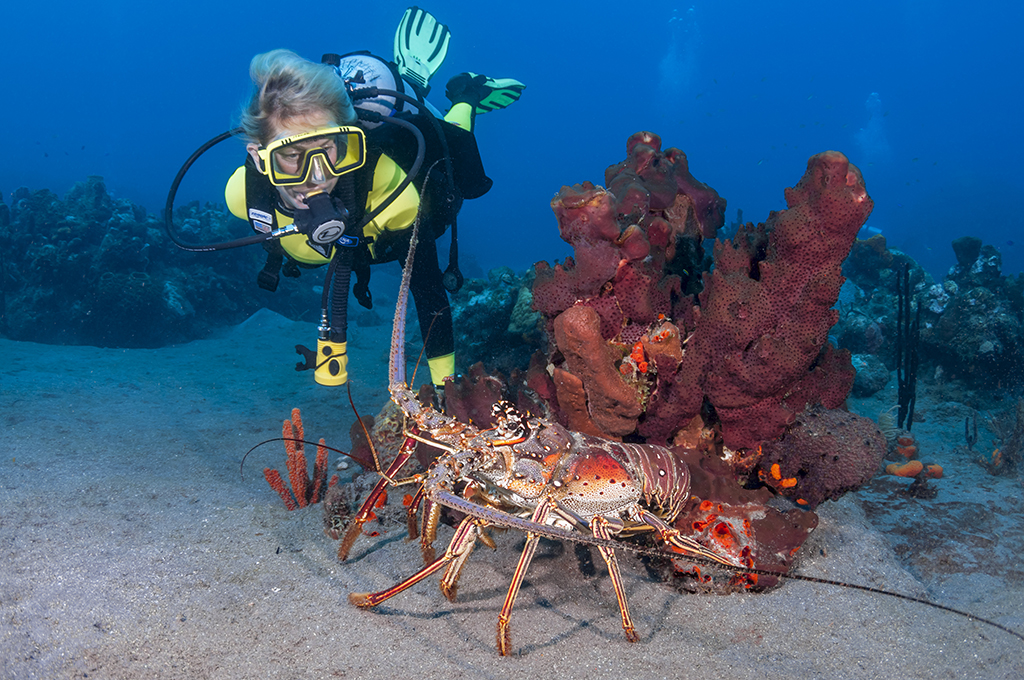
x=911 y=468
x=906 y=447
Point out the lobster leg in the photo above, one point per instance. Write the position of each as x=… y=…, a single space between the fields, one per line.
x=504 y=634
x=411 y=514
x=599 y=525
x=681 y=544
x=462 y=543
x=355 y=527
x=431 y=518
x=450 y=580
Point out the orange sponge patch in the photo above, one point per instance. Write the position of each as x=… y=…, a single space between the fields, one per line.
x=909 y=469
x=907 y=451
x=934 y=471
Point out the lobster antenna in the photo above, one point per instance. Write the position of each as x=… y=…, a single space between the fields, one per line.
x=366 y=433
x=241 y=466
x=841 y=584
x=502 y=518
x=423 y=350
x=396 y=372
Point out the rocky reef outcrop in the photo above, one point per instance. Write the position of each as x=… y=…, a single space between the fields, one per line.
x=971 y=323
x=94 y=269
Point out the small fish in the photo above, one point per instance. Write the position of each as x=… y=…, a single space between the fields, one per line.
x=1009 y=243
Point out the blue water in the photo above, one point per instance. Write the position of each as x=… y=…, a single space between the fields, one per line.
x=127 y=90
x=131 y=541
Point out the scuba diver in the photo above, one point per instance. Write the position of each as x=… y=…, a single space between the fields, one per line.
x=342 y=156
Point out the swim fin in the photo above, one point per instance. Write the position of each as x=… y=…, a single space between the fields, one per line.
x=483 y=93
x=503 y=91
x=421 y=44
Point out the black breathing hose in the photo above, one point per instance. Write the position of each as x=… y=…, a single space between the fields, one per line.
x=169 y=207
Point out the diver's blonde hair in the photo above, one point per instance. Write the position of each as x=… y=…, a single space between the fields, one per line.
x=288 y=86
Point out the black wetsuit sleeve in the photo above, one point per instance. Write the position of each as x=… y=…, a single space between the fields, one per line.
x=432 y=306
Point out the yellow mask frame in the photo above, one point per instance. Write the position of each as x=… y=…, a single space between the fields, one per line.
x=313 y=156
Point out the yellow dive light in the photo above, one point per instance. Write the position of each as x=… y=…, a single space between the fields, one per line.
x=331 y=363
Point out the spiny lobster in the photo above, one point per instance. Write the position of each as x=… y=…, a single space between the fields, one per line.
x=534 y=475
x=526 y=473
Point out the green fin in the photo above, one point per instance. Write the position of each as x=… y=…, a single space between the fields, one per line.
x=503 y=91
x=421 y=44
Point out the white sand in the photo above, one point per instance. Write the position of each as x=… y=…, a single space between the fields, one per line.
x=131 y=548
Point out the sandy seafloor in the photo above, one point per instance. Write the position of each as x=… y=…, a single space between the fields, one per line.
x=131 y=548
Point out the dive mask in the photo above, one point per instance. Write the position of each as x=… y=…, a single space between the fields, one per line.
x=314 y=156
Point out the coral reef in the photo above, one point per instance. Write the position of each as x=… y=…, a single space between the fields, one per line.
x=978 y=336
x=759 y=346
x=1008 y=456
x=756 y=334
x=872 y=374
x=972 y=323
x=737 y=522
x=644 y=343
x=362 y=448
x=493 y=321
x=94 y=269
x=471 y=397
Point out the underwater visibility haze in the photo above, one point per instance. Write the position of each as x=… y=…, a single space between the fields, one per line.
x=922 y=96
x=842 y=390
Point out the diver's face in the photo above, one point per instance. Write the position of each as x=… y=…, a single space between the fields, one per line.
x=294 y=197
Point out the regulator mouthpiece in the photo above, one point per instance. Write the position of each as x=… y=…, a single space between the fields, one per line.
x=323 y=223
